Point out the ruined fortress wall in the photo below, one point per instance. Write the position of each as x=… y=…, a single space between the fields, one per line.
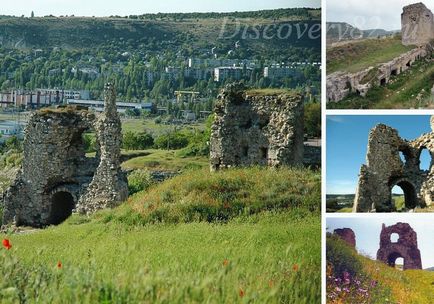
x=405 y=247
x=56 y=176
x=385 y=169
x=347 y=235
x=417 y=25
x=340 y=84
x=252 y=129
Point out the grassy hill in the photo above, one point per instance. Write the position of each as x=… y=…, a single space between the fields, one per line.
x=169 y=30
x=352 y=278
x=358 y=55
x=243 y=235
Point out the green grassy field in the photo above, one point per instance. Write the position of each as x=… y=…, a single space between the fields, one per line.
x=164 y=160
x=269 y=251
x=149 y=125
x=356 y=56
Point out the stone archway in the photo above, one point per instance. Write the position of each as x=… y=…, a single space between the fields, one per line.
x=411 y=200
x=392 y=257
x=62 y=204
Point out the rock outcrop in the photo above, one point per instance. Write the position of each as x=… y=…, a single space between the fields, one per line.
x=405 y=247
x=385 y=169
x=56 y=174
x=255 y=128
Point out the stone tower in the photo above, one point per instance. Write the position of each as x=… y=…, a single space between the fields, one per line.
x=255 y=128
x=417 y=25
x=108 y=187
x=405 y=247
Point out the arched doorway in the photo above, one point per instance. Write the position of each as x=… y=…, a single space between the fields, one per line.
x=403 y=195
x=396 y=260
x=62 y=204
x=392 y=259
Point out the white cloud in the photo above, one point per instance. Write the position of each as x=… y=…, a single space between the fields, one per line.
x=370 y=14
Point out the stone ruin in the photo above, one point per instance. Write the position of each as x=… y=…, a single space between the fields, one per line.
x=256 y=129
x=405 y=247
x=347 y=235
x=341 y=84
x=385 y=169
x=56 y=177
x=417 y=28
x=417 y=25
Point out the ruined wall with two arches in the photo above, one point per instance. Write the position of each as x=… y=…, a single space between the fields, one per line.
x=393 y=161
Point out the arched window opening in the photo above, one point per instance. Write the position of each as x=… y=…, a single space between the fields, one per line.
x=425 y=160
x=402 y=156
x=394 y=237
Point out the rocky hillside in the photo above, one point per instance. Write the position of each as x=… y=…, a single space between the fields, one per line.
x=161 y=31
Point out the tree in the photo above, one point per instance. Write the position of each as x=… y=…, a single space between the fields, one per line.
x=312 y=119
x=32 y=15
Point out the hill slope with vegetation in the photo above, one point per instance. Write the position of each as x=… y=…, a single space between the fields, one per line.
x=195 y=238
x=358 y=55
x=159 y=31
x=352 y=278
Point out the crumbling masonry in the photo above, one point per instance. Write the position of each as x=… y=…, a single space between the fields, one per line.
x=347 y=235
x=417 y=29
x=405 y=247
x=417 y=25
x=385 y=169
x=56 y=176
x=251 y=128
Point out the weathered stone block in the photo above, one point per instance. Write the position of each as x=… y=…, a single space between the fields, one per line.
x=252 y=128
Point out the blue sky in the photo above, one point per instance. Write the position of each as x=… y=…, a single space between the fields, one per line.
x=347 y=140
x=137 y=7
x=367 y=231
x=370 y=14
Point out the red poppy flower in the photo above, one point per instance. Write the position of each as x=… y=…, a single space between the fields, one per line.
x=225 y=262
x=295 y=267
x=59 y=264
x=7 y=244
x=241 y=293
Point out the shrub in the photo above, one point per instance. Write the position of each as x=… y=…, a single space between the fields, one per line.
x=312 y=119
x=137 y=141
x=172 y=141
x=89 y=141
x=139 y=180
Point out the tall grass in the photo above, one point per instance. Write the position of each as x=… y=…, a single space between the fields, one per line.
x=267 y=258
x=222 y=195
